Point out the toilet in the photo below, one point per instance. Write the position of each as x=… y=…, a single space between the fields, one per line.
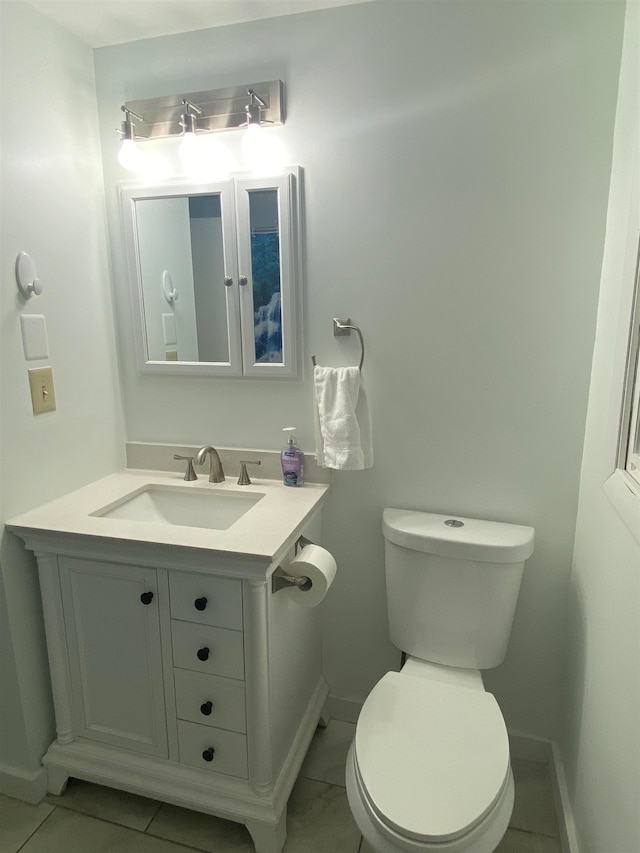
x=429 y=769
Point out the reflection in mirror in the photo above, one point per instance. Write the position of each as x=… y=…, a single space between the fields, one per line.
x=182 y=236
x=265 y=270
x=213 y=274
x=205 y=217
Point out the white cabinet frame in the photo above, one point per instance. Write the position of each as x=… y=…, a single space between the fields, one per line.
x=284 y=185
x=236 y=235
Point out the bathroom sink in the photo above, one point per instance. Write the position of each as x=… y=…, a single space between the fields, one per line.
x=188 y=507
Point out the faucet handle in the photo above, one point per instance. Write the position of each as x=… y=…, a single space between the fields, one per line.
x=243 y=479
x=190 y=473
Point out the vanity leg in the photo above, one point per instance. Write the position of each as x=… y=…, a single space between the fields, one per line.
x=57 y=778
x=268 y=837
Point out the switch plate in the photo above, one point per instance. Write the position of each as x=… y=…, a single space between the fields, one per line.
x=169 y=329
x=43 y=396
x=34 y=336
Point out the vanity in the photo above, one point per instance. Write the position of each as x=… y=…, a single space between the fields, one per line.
x=178 y=672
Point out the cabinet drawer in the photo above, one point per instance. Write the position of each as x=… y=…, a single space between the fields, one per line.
x=210 y=700
x=210 y=601
x=203 y=648
x=212 y=749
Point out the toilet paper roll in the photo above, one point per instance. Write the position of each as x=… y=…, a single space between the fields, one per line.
x=316 y=564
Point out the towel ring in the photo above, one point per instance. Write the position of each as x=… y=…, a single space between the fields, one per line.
x=343 y=327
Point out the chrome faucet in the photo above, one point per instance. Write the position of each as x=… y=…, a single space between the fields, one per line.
x=216 y=474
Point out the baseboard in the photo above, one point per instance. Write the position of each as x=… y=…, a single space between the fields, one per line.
x=566 y=823
x=547 y=752
x=30 y=786
x=347 y=710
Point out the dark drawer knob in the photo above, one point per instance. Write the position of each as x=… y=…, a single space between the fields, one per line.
x=203 y=654
x=146 y=597
x=206 y=708
x=200 y=603
x=208 y=754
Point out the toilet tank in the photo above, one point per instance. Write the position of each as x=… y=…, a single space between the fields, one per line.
x=452 y=585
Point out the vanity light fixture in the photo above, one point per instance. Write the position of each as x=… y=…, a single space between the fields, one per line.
x=216 y=110
x=253 y=141
x=188 y=125
x=129 y=155
x=254 y=109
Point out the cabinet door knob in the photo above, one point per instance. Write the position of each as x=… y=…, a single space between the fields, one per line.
x=206 y=708
x=208 y=754
x=200 y=603
x=203 y=654
x=243 y=280
x=146 y=597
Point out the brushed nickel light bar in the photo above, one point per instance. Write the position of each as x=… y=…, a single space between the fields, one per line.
x=216 y=110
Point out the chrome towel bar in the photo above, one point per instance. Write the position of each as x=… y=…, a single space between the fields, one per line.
x=343 y=327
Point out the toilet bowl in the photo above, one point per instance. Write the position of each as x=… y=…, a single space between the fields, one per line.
x=429 y=767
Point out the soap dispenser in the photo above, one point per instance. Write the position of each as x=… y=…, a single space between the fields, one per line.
x=292 y=459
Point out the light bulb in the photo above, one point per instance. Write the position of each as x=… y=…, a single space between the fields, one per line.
x=129 y=155
x=188 y=148
x=252 y=141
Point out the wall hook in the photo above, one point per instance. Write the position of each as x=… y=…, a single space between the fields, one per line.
x=169 y=292
x=28 y=282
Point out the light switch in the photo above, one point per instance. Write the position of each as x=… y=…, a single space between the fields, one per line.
x=34 y=336
x=43 y=395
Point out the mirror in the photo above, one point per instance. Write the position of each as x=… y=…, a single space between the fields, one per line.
x=211 y=273
x=181 y=264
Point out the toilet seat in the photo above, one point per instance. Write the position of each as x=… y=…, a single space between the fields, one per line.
x=432 y=759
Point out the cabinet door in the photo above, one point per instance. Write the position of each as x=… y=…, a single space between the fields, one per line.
x=267 y=264
x=182 y=259
x=214 y=264
x=113 y=642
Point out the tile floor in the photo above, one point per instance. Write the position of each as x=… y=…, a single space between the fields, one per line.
x=91 y=819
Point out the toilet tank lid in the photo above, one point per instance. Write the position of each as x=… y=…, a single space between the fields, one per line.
x=465 y=539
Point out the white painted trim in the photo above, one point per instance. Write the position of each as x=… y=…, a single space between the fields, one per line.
x=285 y=186
x=543 y=751
x=30 y=786
x=564 y=812
x=622 y=492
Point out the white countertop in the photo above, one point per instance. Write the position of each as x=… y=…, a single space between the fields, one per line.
x=261 y=532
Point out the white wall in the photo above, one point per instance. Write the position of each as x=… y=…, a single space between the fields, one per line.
x=456 y=158
x=601 y=738
x=52 y=208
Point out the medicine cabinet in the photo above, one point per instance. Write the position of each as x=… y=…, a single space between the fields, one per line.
x=214 y=275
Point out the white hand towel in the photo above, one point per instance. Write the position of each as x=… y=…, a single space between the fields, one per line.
x=342 y=419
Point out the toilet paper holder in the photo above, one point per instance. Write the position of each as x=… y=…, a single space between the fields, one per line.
x=281 y=580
